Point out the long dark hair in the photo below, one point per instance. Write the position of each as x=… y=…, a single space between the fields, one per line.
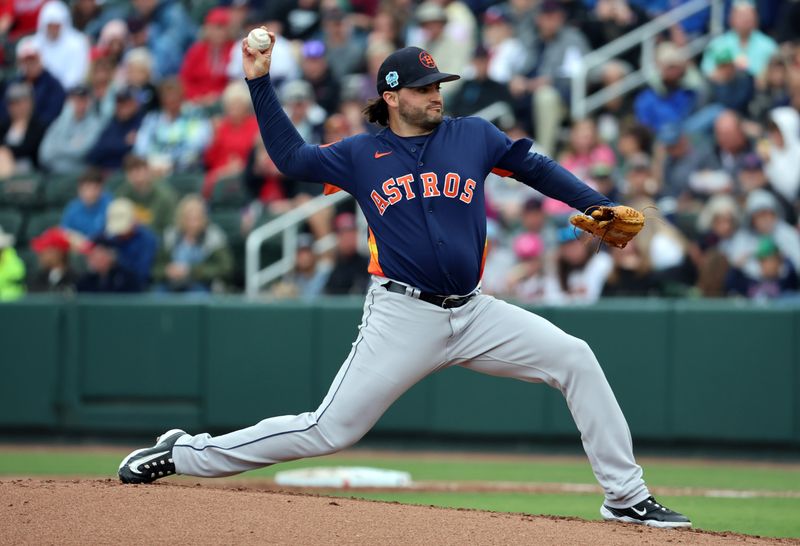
x=377 y=111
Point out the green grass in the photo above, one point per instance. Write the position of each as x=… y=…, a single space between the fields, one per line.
x=763 y=516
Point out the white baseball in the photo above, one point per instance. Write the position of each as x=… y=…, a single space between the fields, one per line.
x=258 y=39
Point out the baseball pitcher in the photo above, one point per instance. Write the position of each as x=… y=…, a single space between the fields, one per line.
x=420 y=183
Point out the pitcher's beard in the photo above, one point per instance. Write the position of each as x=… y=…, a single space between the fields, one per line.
x=423 y=118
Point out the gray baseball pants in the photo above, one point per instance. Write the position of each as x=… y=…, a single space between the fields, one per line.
x=402 y=340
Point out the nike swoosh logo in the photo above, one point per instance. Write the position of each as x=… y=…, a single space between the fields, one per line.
x=643 y=512
x=142 y=462
x=379 y=155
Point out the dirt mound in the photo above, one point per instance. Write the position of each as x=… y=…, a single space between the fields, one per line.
x=34 y=511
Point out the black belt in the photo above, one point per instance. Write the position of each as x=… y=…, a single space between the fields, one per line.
x=445 y=302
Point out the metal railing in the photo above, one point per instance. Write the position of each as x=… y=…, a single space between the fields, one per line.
x=582 y=105
x=287 y=226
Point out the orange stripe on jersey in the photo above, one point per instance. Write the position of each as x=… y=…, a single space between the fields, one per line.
x=374 y=265
x=331 y=189
x=501 y=172
x=483 y=260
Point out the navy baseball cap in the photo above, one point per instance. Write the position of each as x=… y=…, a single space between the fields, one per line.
x=410 y=67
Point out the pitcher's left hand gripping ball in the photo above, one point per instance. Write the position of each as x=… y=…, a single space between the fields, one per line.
x=614 y=225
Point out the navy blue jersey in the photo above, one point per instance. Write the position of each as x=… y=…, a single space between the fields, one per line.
x=422 y=197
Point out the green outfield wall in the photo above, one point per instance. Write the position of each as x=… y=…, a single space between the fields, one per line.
x=695 y=371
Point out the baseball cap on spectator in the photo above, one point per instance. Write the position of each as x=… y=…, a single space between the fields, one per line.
x=759 y=200
x=668 y=54
x=669 y=134
x=480 y=52
x=333 y=14
x=54 y=238
x=27 y=47
x=305 y=241
x=6 y=239
x=567 y=234
x=766 y=248
x=124 y=93
x=600 y=170
x=429 y=12
x=297 y=91
x=19 y=90
x=218 y=16
x=533 y=203
x=120 y=217
x=133 y=161
x=751 y=162
x=495 y=15
x=91 y=176
x=551 y=6
x=410 y=67
x=723 y=56
x=313 y=49
x=351 y=88
x=346 y=221
x=80 y=90
x=528 y=246
x=136 y=25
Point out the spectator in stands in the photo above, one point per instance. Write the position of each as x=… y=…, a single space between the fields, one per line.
x=86 y=214
x=119 y=135
x=204 y=69
x=135 y=244
x=104 y=273
x=556 y=55
x=499 y=260
x=771 y=91
x=21 y=134
x=481 y=91
x=68 y=139
x=751 y=48
x=54 y=273
x=453 y=56
x=732 y=143
x=91 y=16
x=12 y=269
x=681 y=159
x=23 y=17
x=349 y=274
x=234 y=135
x=581 y=273
x=306 y=115
x=617 y=112
x=47 y=91
x=674 y=96
x=307 y=279
x=153 y=200
x=316 y=72
x=64 y=50
x=137 y=70
x=716 y=225
x=507 y=55
x=762 y=220
x=783 y=161
x=112 y=43
x=776 y=276
x=344 y=50
x=730 y=86
x=640 y=181
x=103 y=89
x=631 y=275
x=173 y=138
x=612 y=19
x=168 y=31
x=752 y=177
x=527 y=280
x=666 y=249
x=195 y=256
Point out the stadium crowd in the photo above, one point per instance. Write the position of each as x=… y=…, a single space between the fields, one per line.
x=130 y=158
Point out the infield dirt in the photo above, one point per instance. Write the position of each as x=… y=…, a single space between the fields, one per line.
x=35 y=511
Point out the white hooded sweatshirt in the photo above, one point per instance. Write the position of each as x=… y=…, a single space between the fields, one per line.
x=783 y=168
x=66 y=57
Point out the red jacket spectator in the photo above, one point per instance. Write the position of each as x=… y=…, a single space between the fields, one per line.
x=234 y=136
x=25 y=15
x=203 y=73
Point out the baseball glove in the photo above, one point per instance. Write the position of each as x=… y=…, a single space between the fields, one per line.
x=614 y=225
